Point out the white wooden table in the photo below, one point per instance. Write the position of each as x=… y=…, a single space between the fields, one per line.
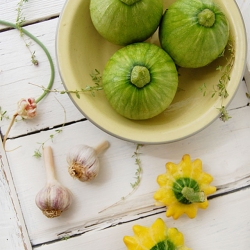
x=224 y=149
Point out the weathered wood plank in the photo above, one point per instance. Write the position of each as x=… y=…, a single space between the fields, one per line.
x=33 y=11
x=223 y=148
x=13 y=233
x=224 y=225
x=15 y=60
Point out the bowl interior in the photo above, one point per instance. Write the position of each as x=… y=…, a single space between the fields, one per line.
x=81 y=50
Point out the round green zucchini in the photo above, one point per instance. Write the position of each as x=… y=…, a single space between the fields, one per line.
x=194 y=33
x=124 y=22
x=140 y=81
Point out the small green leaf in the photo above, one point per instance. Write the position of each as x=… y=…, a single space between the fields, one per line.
x=78 y=95
x=37 y=153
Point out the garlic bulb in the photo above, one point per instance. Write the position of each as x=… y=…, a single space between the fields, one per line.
x=83 y=161
x=54 y=198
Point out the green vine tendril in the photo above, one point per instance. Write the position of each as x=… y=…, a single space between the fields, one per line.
x=52 y=68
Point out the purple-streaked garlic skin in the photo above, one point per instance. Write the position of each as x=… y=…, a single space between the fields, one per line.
x=53 y=199
x=83 y=162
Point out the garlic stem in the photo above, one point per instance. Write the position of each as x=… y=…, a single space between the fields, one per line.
x=49 y=163
x=101 y=147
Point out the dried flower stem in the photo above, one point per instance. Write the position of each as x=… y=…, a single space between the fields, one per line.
x=52 y=76
x=138 y=176
x=8 y=130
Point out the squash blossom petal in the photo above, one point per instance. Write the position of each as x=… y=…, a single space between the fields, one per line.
x=158 y=236
x=26 y=108
x=184 y=188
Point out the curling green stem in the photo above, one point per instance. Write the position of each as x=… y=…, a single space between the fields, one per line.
x=52 y=68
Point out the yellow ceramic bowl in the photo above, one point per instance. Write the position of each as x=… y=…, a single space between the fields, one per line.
x=81 y=50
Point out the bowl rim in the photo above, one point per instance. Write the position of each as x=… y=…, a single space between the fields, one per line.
x=142 y=141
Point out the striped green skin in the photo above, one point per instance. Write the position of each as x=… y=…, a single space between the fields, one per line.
x=124 y=24
x=164 y=245
x=190 y=44
x=180 y=184
x=146 y=102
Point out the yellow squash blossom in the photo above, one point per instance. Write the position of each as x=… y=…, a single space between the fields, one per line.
x=156 y=237
x=184 y=188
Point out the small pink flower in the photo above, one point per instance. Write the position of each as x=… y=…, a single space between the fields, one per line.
x=26 y=108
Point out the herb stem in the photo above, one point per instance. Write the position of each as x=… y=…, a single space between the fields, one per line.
x=52 y=68
x=138 y=176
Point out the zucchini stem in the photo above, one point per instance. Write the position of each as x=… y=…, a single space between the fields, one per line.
x=206 y=18
x=140 y=76
x=192 y=196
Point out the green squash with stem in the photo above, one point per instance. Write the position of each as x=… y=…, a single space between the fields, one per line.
x=194 y=33
x=124 y=22
x=140 y=81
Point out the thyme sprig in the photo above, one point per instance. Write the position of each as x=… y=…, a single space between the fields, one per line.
x=224 y=116
x=138 y=177
x=138 y=173
x=20 y=20
x=96 y=78
x=220 y=88
x=37 y=153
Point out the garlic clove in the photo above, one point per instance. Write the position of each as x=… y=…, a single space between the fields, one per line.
x=83 y=161
x=53 y=198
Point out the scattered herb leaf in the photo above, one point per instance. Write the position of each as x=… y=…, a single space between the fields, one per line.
x=3 y=114
x=65 y=237
x=224 y=116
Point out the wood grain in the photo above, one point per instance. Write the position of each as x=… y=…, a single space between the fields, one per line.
x=214 y=228
x=223 y=148
x=13 y=232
